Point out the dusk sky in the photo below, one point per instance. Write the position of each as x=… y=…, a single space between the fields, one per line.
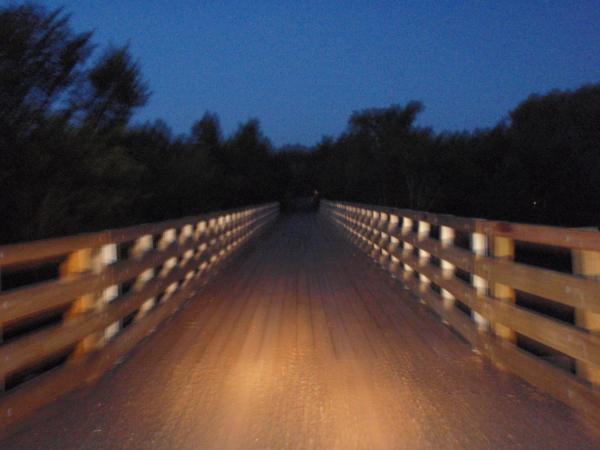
x=302 y=67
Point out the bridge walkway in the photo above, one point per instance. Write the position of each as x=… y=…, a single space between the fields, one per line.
x=302 y=342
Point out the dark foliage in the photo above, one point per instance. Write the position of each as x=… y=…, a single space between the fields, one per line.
x=70 y=161
x=542 y=165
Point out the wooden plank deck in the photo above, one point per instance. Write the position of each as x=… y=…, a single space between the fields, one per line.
x=304 y=343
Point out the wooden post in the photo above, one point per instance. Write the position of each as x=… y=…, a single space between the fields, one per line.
x=407 y=248
x=366 y=231
x=447 y=236
x=504 y=248
x=392 y=246
x=77 y=263
x=377 y=235
x=236 y=230
x=587 y=263
x=355 y=227
x=142 y=246
x=353 y=220
x=479 y=245
x=212 y=243
x=363 y=229
x=424 y=228
x=221 y=236
x=200 y=248
x=108 y=255
x=374 y=231
x=2 y=380
x=168 y=237
x=187 y=233
x=229 y=227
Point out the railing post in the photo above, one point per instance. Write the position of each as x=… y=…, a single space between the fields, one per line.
x=503 y=248
x=365 y=230
x=356 y=228
x=479 y=246
x=168 y=237
x=142 y=246
x=424 y=228
x=187 y=233
x=237 y=229
x=378 y=252
x=229 y=225
x=210 y=235
x=108 y=255
x=447 y=236
x=2 y=380
x=221 y=237
x=392 y=244
x=407 y=248
x=587 y=263
x=361 y=227
x=77 y=263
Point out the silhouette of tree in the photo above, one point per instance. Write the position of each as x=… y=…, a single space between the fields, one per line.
x=116 y=89
x=41 y=59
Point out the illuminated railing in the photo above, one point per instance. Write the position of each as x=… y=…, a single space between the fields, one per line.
x=526 y=296
x=102 y=293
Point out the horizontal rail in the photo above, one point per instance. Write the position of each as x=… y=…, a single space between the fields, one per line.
x=565 y=237
x=490 y=317
x=105 y=302
x=39 y=251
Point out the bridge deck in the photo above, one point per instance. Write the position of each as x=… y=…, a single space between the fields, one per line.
x=303 y=343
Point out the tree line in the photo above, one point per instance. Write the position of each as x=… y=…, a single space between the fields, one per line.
x=70 y=161
x=540 y=165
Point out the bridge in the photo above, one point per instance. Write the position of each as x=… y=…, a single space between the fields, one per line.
x=355 y=327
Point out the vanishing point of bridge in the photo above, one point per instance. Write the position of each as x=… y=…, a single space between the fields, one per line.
x=249 y=329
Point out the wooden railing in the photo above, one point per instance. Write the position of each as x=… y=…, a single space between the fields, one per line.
x=526 y=296
x=103 y=293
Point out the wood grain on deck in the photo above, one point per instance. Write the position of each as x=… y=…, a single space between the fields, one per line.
x=304 y=343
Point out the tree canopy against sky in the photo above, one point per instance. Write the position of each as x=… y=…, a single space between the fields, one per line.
x=302 y=67
x=72 y=161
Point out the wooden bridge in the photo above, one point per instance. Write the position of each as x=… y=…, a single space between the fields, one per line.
x=263 y=330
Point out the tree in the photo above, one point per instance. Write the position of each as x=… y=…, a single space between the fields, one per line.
x=206 y=132
x=394 y=160
x=116 y=89
x=41 y=61
x=55 y=179
x=555 y=141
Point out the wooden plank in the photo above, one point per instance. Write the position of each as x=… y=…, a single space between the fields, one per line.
x=30 y=300
x=30 y=396
x=563 y=337
x=550 y=379
x=587 y=263
x=571 y=238
x=537 y=372
x=560 y=287
x=40 y=344
x=39 y=251
x=556 y=382
x=82 y=261
x=503 y=248
x=570 y=340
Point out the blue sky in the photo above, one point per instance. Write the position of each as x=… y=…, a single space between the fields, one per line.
x=302 y=67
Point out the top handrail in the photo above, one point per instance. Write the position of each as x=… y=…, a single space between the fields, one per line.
x=22 y=253
x=564 y=237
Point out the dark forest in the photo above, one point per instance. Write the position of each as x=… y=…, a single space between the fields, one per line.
x=71 y=161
